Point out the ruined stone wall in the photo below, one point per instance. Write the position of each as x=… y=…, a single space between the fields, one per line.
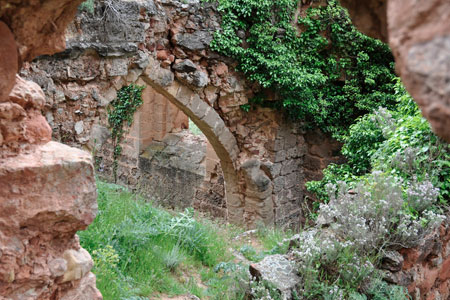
x=164 y=45
x=322 y=151
x=47 y=190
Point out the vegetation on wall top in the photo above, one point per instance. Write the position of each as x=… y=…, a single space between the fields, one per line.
x=326 y=71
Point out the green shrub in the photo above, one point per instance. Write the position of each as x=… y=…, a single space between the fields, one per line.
x=173 y=258
x=398 y=142
x=361 y=143
x=326 y=81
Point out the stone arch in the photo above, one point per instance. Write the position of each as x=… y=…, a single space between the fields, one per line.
x=213 y=127
x=261 y=155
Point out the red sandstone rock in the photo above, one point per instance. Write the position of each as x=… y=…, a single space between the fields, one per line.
x=8 y=61
x=444 y=274
x=21 y=122
x=47 y=192
x=419 y=34
x=37 y=130
x=221 y=69
x=27 y=94
x=40 y=212
x=369 y=16
x=162 y=55
x=38 y=25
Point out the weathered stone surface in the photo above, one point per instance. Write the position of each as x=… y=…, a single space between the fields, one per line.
x=197 y=79
x=369 y=16
x=279 y=271
x=83 y=289
x=43 y=32
x=420 y=273
x=27 y=94
x=419 y=35
x=47 y=189
x=47 y=195
x=79 y=127
x=99 y=135
x=79 y=263
x=8 y=61
x=21 y=123
x=160 y=76
x=180 y=171
x=198 y=40
x=392 y=261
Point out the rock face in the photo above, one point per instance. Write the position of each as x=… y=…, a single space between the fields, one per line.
x=369 y=16
x=47 y=196
x=43 y=32
x=425 y=269
x=177 y=172
x=47 y=190
x=419 y=35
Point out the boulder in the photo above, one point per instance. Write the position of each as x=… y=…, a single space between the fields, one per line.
x=47 y=196
x=278 y=271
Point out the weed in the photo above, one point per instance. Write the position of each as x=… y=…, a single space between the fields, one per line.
x=173 y=258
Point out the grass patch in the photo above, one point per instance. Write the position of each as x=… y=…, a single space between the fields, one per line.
x=140 y=250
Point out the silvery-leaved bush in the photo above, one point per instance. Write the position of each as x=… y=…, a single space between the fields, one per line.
x=376 y=215
x=259 y=290
x=385 y=121
x=421 y=195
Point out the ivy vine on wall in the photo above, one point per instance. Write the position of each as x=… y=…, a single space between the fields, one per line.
x=326 y=71
x=121 y=113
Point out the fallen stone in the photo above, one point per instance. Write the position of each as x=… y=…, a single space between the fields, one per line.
x=279 y=271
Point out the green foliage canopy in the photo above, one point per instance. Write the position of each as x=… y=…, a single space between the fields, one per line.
x=398 y=142
x=326 y=71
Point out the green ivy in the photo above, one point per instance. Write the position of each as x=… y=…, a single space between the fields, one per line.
x=326 y=76
x=121 y=112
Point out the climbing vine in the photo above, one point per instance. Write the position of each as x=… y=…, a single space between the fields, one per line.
x=326 y=71
x=121 y=112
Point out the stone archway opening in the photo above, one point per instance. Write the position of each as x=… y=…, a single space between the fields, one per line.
x=179 y=167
